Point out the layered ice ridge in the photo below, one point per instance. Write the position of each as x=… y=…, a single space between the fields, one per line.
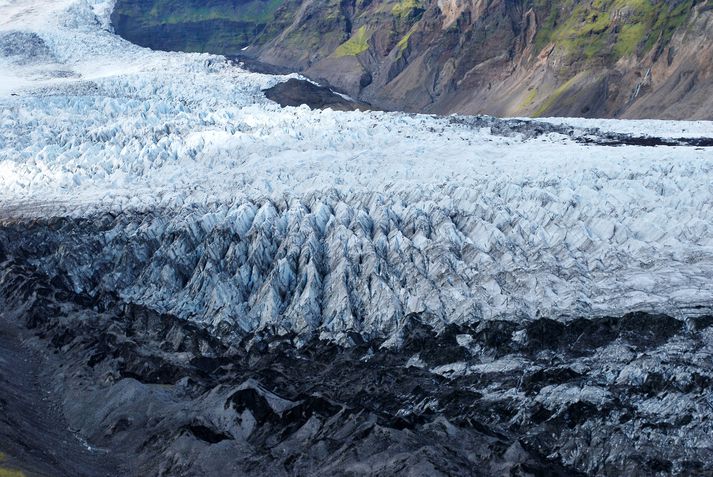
x=337 y=263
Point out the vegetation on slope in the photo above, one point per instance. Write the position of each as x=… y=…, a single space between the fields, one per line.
x=608 y=29
x=355 y=45
x=413 y=51
x=221 y=26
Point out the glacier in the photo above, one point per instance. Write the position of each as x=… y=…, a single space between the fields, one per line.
x=205 y=283
x=332 y=221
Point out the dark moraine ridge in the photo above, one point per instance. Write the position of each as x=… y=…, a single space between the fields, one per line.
x=151 y=394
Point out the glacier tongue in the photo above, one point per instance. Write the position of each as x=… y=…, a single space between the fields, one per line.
x=182 y=188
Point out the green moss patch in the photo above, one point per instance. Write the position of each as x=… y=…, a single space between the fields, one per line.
x=403 y=43
x=554 y=97
x=357 y=44
x=608 y=29
x=529 y=100
x=407 y=8
x=629 y=38
x=6 y=472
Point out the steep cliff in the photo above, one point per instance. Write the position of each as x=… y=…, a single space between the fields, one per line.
x=597 y=58
x=223 y=26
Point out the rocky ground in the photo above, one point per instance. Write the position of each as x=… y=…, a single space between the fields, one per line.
x=34 y=433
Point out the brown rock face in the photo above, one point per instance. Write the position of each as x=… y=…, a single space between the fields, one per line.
x=605 y=58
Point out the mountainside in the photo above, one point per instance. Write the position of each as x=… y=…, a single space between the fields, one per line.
x=598 y=58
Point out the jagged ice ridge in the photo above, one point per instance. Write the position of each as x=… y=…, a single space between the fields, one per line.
x=201 y=198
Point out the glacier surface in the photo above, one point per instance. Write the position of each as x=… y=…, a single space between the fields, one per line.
x=201 y=198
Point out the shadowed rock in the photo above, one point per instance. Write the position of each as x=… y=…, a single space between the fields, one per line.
x=296 y=92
